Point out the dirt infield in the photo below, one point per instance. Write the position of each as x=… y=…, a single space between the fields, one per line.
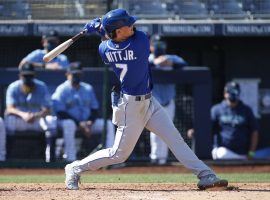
x=130 y=191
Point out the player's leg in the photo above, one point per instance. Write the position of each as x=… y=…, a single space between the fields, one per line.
x=163 y=126
x=14 y=123
x=225 y=153
x=167 y=131
x=49 y=125
x=159 y=149
x=69 y=128
x=131 y=119
x=2 y=140
x=262 y=153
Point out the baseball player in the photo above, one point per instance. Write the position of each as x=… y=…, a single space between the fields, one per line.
x=235 y=128
x=28 y=107
x=76 y=107
x=49 y=42
x=164 y=93
x=127 y=51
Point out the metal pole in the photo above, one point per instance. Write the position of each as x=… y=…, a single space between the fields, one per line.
x=105 y=93
x=104 y=99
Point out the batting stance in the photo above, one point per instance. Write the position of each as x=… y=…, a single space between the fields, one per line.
x=127 y=52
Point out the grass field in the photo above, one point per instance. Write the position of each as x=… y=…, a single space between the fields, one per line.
x=136 y=178
x=32 y=184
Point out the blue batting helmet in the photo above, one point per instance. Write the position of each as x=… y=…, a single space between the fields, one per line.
x=116 y=19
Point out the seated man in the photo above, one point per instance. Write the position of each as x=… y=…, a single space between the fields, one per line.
x=76 y=107
x=235 y=128
x=49 y=42
x=28 y=107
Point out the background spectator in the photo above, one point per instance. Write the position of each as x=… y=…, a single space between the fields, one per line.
x=28 y=108
x=164 y=93
x=76 y=107
x=49 y=42
x=235 y=127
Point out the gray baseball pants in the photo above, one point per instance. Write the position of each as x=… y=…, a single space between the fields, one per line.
x=131 y=117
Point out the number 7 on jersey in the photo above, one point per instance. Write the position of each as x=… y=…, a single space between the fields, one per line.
x=124 y=70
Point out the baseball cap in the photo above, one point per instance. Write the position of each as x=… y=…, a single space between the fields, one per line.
x=27 y=69
x=51 y=35
x=232 y=88
x=74 y=68
x=155 y=38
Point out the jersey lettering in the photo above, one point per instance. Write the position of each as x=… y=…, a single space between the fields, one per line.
x=116 y=56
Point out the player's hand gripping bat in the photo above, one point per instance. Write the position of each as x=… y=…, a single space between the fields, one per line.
x=62 y=47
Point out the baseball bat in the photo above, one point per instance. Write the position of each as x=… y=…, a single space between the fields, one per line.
x=62 y=47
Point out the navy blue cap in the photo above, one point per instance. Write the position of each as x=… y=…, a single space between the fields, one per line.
x=232 y=88
x=75 y=68
x=27 y=69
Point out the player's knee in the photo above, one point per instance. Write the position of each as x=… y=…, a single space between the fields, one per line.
x=118 y=156
x=10 y=120
x=49 y=124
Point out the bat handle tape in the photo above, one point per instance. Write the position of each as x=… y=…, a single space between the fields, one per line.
x=79 y=35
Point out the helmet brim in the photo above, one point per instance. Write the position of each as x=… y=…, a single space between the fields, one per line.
x=132 y=20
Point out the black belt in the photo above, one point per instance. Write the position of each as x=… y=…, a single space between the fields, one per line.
x=139 y=98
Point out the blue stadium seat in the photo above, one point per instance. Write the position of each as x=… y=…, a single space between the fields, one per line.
x=261 y=9
x=248 y=5
x=149 y=9
x=14 y=10
x=229 y=9
x=190 y=9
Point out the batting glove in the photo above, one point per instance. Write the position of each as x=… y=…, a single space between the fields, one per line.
x=93 y=25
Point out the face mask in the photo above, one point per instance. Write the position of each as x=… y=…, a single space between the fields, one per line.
x=76 y=79
x=233 y=96
x=28 y=80
x=51 y=45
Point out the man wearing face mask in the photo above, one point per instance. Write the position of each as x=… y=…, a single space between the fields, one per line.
x=49 y=42
x=234 y=126
x=28 y=107
x=76 y=107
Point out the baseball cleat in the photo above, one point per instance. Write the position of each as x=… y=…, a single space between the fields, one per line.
x=72 y=178
x=211 y=181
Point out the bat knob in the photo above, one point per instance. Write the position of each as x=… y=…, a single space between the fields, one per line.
x=46 y=59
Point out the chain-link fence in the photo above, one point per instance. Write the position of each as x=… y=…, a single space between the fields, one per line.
x=183 y=120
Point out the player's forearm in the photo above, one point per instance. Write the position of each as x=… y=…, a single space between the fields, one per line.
x=14 y=111
x=35 y=64
x=44 y=112
x=254 y=141
x=53 y=66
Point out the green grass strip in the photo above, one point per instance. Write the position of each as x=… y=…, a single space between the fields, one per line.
x=135 y=178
